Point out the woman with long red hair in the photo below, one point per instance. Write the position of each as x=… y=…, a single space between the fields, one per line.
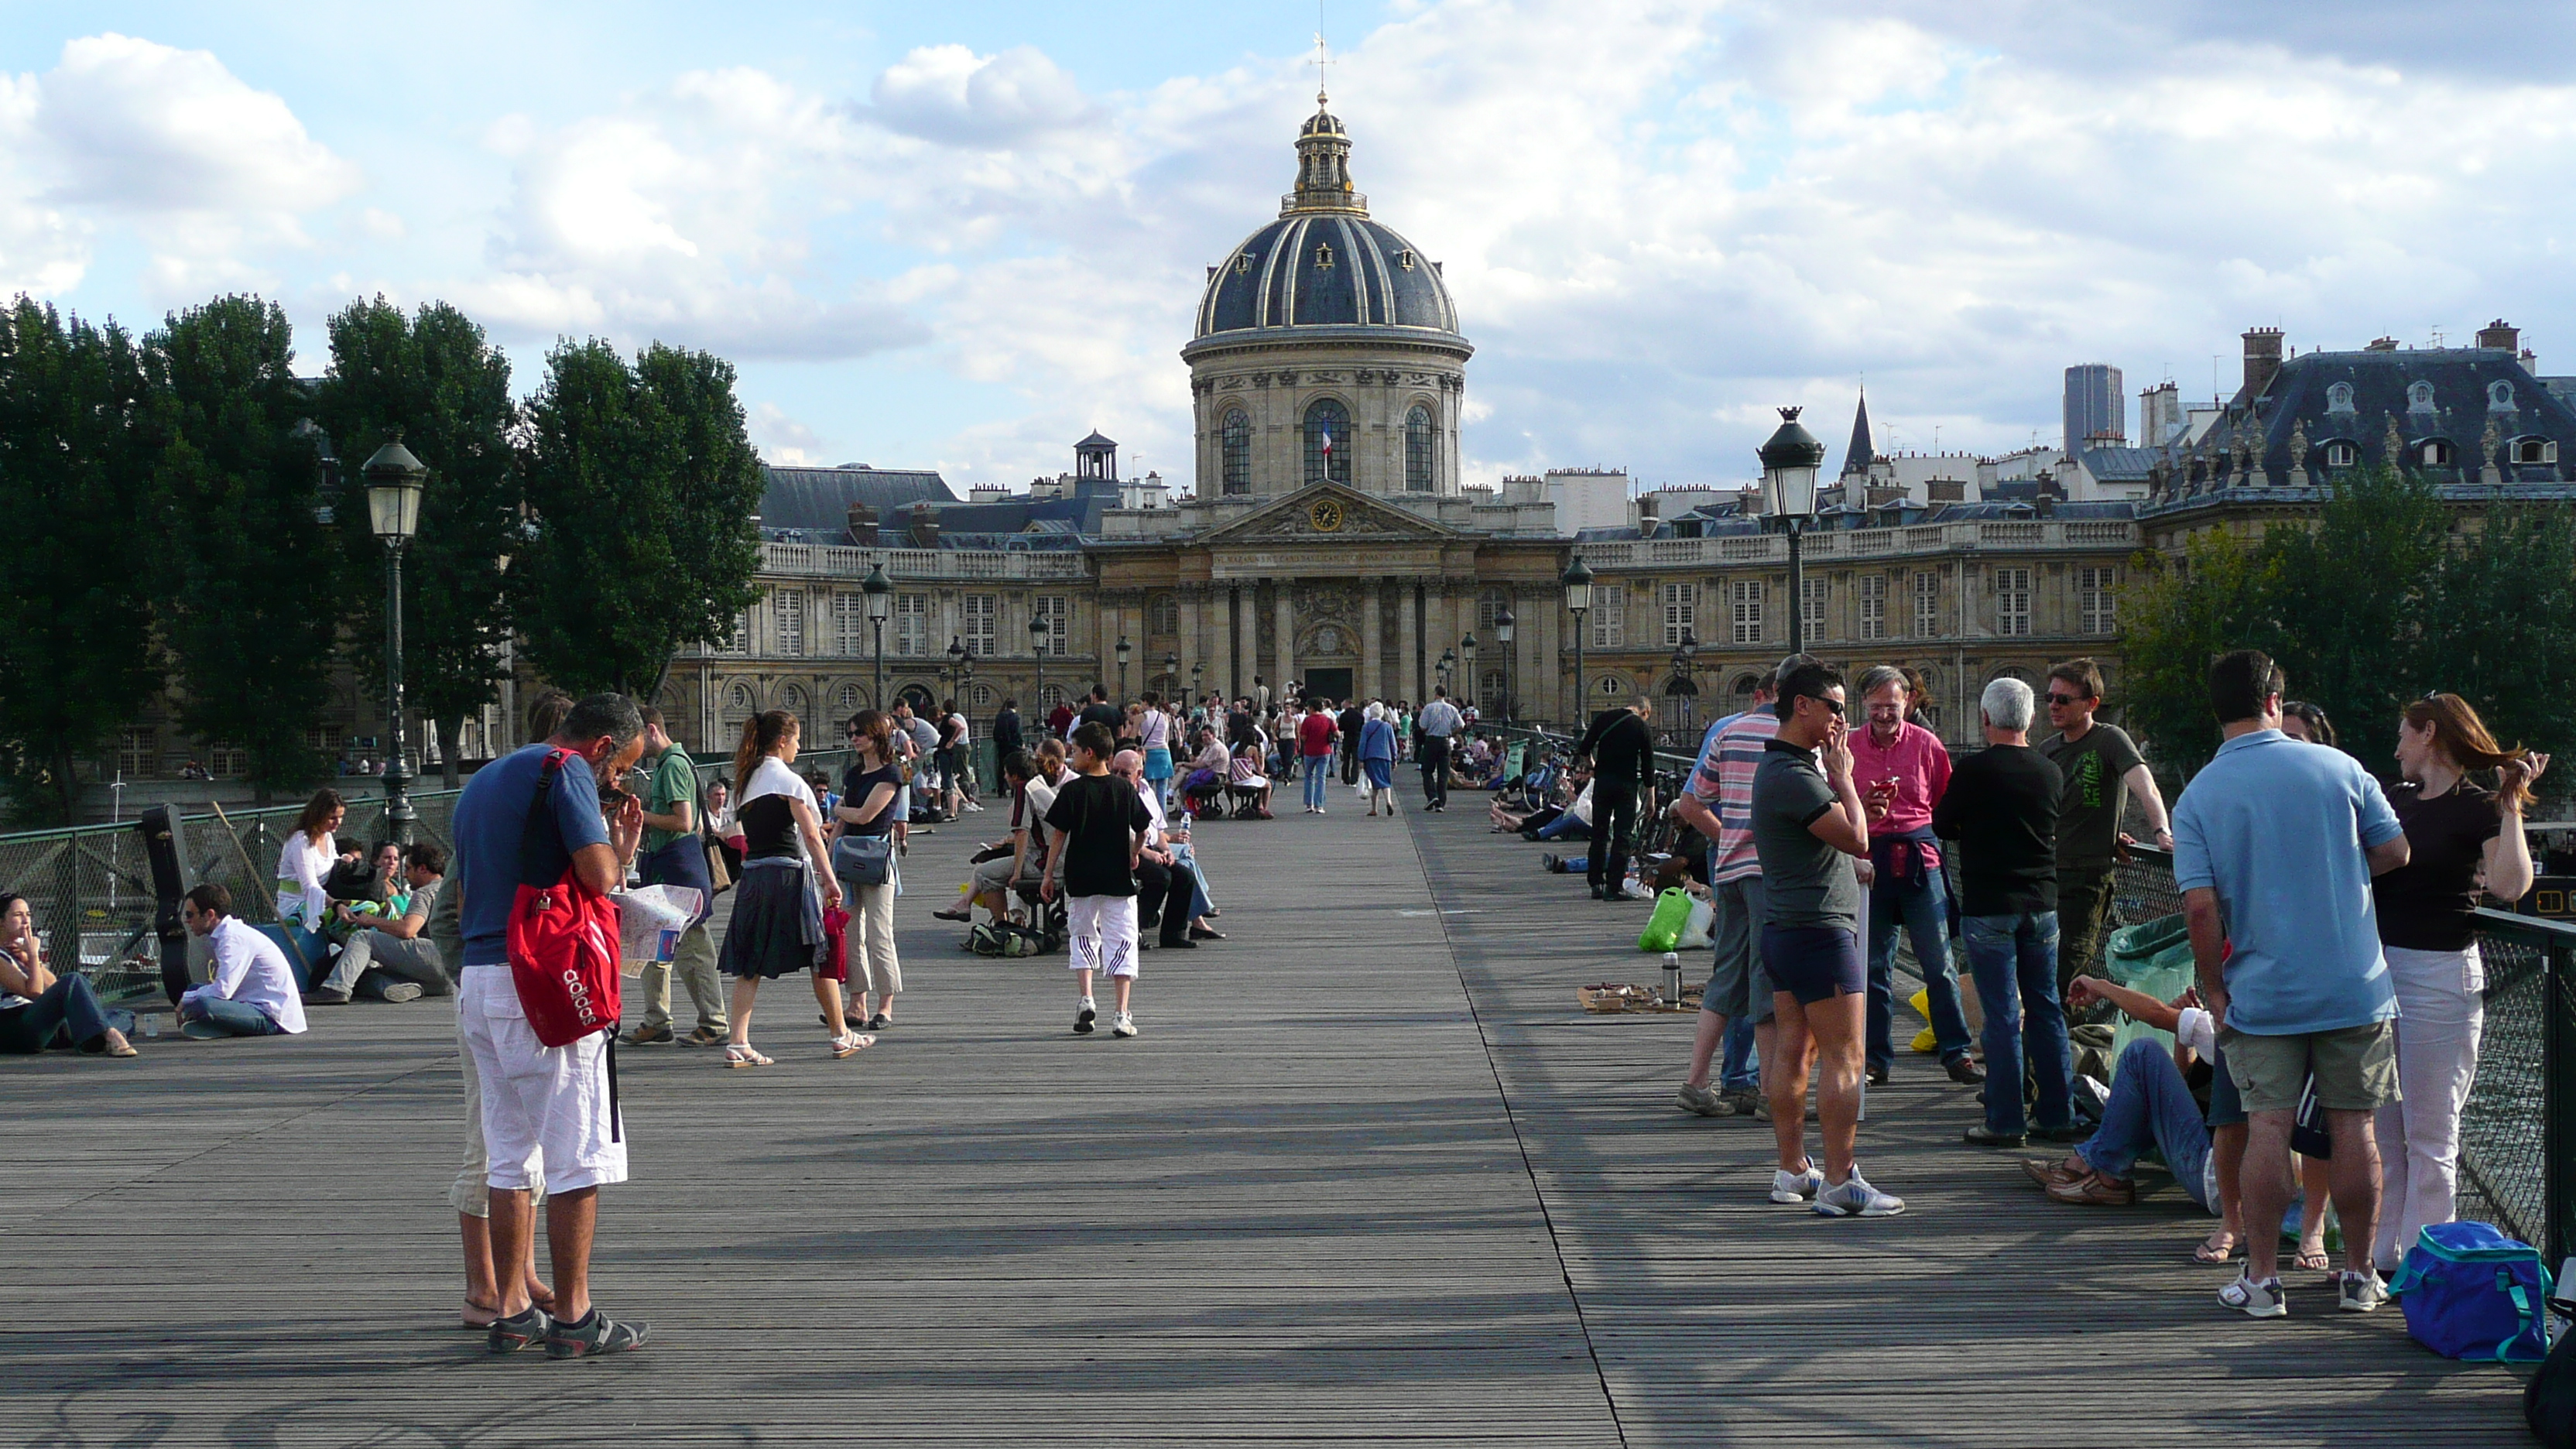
x=2460 y=836
x=777 y=924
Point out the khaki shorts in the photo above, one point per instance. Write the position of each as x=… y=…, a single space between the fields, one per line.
x=2355 y=1068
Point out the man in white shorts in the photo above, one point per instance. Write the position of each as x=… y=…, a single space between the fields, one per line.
x=551 y=1105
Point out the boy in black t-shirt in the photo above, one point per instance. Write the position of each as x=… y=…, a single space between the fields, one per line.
x=1098 y=823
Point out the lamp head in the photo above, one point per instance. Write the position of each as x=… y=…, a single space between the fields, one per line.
x=1578 y=585
x=1789 y=464
x=395 y=480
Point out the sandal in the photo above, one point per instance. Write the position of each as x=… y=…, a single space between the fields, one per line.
x=879 y=1022
x=476 y=1316
x=850 y=1044
x=742 y=1055
x=2218 y=1247
x=2314 y=1260
x=703 y=1037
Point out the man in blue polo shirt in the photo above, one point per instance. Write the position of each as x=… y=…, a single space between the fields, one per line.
x=2275 y=844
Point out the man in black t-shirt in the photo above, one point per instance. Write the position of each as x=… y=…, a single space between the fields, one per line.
x=1622 y=750
x=2099 y=762
x=1101 y=712
x=1099 y=824
x=2002 y=808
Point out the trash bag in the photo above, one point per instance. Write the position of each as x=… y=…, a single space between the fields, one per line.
x=1664 y=928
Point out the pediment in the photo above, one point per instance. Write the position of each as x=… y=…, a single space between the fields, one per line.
x=1330 y=513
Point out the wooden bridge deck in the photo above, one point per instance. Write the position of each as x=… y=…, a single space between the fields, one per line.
x=1367 y=1176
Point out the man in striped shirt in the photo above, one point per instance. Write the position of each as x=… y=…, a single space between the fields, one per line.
x=1718 y=803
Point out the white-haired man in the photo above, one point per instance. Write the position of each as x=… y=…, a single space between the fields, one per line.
x=2002 y=807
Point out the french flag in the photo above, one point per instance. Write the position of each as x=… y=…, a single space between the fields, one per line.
x=1328 y=447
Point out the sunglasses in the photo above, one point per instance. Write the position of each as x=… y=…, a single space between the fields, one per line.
x=1835 y=705
x=2056 y=698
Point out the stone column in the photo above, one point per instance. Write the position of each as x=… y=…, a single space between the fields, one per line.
x=1408 y=647
x=1284 y=623
x=1221 y=655
x=1372 y=675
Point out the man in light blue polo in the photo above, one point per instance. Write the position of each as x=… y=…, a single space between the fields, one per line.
x=2275 y=843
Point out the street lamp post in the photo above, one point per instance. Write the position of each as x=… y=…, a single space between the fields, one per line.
x=1689 y=691
x=879 y=590
x=1789 y=463
x=1041 y=634
x=1577 y=579
x=956 y=665
x=1197 y=670
x=1503 y=628
x=395 y=480
x=1172 y=670
x=1447 y=662
x=1473 y=685
x=1125 y=651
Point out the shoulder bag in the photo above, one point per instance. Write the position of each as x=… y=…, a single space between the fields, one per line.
x=563 y=936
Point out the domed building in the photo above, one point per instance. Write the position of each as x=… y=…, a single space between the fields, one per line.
x=1327 y=348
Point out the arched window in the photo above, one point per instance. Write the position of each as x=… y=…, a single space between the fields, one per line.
x=792 y=700
x=1234 y=449
x=2339 y=397
x=739 y=699
x=2419 y=395
x=1328 y=441
x=1418 y=454
x=2534 y=450
x=979 y=696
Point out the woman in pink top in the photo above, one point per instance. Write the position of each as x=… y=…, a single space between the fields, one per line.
x=1902 y=770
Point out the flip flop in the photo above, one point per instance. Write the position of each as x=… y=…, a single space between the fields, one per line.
x=2211 y=1250
x=2318 y=1261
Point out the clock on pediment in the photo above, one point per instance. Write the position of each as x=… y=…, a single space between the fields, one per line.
x=1325 y=516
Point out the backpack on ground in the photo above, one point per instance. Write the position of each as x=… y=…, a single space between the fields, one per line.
x=1004 y=939
x=2470 y=1292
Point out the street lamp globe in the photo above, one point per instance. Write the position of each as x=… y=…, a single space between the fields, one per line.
x=1503 y=625
x=1790 y=461
x=1039 y=633
x=880 y=592
x=1577 y=579
x=395 y=480
x=1126 y=651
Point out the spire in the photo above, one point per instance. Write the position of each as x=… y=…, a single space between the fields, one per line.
x=1323 y=167
x=1860 y=454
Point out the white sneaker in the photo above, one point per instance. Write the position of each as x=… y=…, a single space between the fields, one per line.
x=1122 y=1024
x=2360 y=1293
x=1796 y=1187
x=1084 y=1015
x=1635 y=892
x=1855 y=1198
x=971 y=805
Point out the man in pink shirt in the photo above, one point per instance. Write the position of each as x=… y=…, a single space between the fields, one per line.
x=1902 y=770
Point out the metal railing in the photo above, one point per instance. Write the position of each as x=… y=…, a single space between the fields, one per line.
x=90 y=887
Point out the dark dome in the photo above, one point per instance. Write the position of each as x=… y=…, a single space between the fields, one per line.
x=1325 y=271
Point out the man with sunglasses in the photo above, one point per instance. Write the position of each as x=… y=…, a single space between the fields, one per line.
x=2099 y=762
x=1809 y=827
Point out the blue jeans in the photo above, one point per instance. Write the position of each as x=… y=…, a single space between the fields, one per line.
x=238 y=1017
x=68 y=1009
x=1738 y=1069
x=1565 y=825
x=1923 y=904
x=1319 y=770
x=2015 y=961
x=2150 y=1107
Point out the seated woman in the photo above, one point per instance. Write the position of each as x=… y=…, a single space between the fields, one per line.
x=1574 y=819
x=2182 y=1105
x=1244 y=775
x=39 y=1009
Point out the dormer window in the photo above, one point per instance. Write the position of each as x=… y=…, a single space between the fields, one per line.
x=2499 y=394
x=2339 y=398
x=2341 y=454
x=2535 y=450
x=2435 y=453
x=1323 y=255
x=1243 y=264
x=1404 y=259
x=2419 y=395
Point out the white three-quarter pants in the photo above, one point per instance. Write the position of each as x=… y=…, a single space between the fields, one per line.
x=1103 y=933
x=2440 y=1012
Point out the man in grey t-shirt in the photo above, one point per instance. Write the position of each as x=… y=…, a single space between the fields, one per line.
x=1809 y=825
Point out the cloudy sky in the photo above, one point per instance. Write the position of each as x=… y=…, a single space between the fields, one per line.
x=961 y=236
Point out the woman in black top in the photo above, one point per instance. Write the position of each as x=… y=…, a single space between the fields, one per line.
x=868 y=792
x=2456 y=833
x=777 y=925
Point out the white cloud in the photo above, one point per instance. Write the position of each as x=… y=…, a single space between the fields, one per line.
x=783 y=440
x=124 y=131
x=951 y=95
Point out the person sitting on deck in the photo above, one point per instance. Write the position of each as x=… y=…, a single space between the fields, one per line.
x=39 y=1009
x=2181 y=1105
x=253 y=991
x=395 y=961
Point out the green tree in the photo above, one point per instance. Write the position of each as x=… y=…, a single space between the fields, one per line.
x=77 y=656
x=435 y=380
x=2176 y=618
x=250 y=612
x=2354 y=595
x=2496 y=625
x=644 y=488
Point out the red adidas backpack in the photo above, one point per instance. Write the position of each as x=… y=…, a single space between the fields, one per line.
x=563 y=938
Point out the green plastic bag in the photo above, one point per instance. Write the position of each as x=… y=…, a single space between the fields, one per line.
x=1664 y=928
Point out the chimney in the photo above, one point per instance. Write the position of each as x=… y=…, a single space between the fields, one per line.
x=2262 y=359
x=2499 y=333
x=1649 y=510
x=925 y=526
x=863 y=525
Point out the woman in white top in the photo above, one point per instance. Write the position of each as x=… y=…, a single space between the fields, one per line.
x=777 y=925
x=307 y=860
x=1154 y=735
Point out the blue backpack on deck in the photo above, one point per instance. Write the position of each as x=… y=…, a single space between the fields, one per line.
x=2470 y=1292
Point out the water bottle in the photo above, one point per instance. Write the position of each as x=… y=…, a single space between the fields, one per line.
x=1673 y=980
